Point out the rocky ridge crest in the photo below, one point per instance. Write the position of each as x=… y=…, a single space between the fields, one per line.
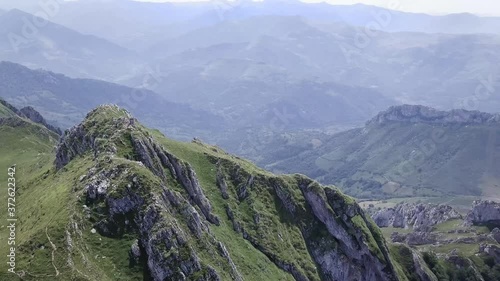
x=420 y=217
x=484 y=212
x=140 y=187
x=31 y=114
x=424 y=114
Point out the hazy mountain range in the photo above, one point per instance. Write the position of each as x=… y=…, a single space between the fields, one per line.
x=149 y=17
x=35 y=42
x=275 y=53
x=64 y=101
x=261 y=83
x=435 y=70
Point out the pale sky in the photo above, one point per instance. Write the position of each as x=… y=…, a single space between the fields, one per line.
x=479 y=7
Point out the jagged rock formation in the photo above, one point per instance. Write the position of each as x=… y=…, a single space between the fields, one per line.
x=137 y=209
x=424 y=114
x=178 y=214
x=491 y=250
x=420 y=217
x=30 y=113
x=484 y=213
x=124 y=202
x=423 y=273
x=415 y=265
x=495 y=234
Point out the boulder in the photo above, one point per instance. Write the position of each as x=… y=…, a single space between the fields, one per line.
x=490 y=250
x=495 y=234
x=484 y=212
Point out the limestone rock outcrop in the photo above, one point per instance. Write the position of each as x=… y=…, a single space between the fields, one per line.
x=178 y=211
x=420 y=217
x=424 y=114
x=484 y=212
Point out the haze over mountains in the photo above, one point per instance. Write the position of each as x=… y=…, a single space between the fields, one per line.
x=409 y=151
x=74 y=14
x=259 y=81
x=390 y=107
x=288 y=44
x=36 y=42
x=64 y=101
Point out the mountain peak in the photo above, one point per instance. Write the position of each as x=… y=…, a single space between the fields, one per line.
x=108 y=111
x=99 y=132
x=139 y=174
x=424 y=114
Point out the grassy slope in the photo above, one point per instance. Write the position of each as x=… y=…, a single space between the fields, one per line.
x=408 y=156
x=44 y=203
x=48 y=203
x=253 y=265
x=291 y=246
x=5 y=111
x=29 y=147
x=51 y=208
x=466 y=249
x=445 y=270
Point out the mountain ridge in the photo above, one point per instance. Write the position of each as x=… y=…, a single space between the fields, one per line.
x=60 y=48
x=9 y=111
x=426 y=114
x=407 y=151
x=115 y=199
x=144 y=148
x=188 y=209
x=64 y=100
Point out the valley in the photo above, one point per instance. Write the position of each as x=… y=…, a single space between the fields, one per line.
x=243 y=140
x=111 y=193
x=409 y=151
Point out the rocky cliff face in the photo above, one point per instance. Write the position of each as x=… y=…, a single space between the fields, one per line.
x=420 y=217
x=484 y=213
x=30 y=113
x=406 y=150
x=423 y=114
x=495 y=234
x=416 y=266
x=491 y=250
x=189 y=217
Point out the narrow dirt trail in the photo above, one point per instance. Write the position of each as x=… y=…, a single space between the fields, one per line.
x=54 y=248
